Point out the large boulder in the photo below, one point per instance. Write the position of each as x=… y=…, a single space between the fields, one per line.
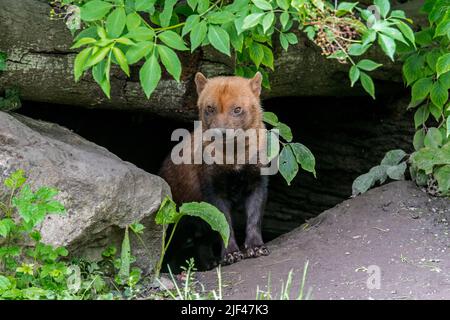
x=102 y=194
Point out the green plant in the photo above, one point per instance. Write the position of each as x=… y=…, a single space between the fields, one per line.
x=190 y=289
x=11 y=100
x=292 y=154
x=286 y=288
x=36 y=271
x=426 y=70
x=168 y=214
x=31 y=269
x=124 y=32
x=2 y=61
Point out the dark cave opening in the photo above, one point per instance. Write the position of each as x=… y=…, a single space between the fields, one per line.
x=347 y=136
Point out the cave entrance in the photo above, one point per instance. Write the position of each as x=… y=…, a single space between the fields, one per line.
x=347 y=136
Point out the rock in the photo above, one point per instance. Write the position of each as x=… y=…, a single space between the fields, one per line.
x=395 y=252
x=102 y=194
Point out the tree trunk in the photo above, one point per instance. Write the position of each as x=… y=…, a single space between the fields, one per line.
x=40 y=64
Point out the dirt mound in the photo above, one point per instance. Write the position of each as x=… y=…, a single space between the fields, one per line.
x=390 y=243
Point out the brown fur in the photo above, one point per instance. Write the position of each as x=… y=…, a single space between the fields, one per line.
x=226 y=103
x=224 y=93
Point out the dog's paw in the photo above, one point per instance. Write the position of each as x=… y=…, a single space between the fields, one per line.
x=232 y=257
x=255 y=252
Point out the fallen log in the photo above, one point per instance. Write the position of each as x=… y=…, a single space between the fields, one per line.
x=40 y=63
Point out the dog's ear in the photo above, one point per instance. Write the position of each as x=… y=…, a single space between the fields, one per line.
x=200 y=82
x=255 y=83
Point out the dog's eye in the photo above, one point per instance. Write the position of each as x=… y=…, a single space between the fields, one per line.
x=210 y=109
x=237 y=110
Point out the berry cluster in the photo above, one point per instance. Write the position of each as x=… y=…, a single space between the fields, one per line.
x=334 y=37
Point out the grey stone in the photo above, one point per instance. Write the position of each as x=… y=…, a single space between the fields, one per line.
x=102 y=194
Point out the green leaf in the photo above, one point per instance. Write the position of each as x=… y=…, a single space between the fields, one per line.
x=435 y=111
x=198 y=34
x=368 y=65
x=273 y=145
x=357 y=49
x=83 y=41
x=398 y=14
x=394 y=34
x=252 y=20
x=284 y=19
x=433 y=138
x=167 y=212
x=144 y=5
x=125 y=257
x=2 y=61
x=133 y=21
x=190 y=23
x=149 y=75
x=211 y=215
x=368 y=84
x=421 y=89
x=138 y=51
x=141 y=34
x=291 y=38
x=419 y=138
x=15 y=180
x=288 y=164
x=432 y=57
x=137 y=228
x=368 y=37
x=439 y=94
x=285 y=131
x=384 y=6
x=115 y=23
x=220 y=17
x=388 y=45
x=304 y=157
x=407 y=32
x=284 y=4
x=268 y=57
x=397 y=172
x=97 y=57
x=424 y=37
x=5 y=284
x=413 y=68
x=203 y=5
x=362 y=183
x=170 y=60
x=219 y=39
x=421 y=116
x=122 y=60
x=354 y=75
x=95 y=10
x=80 y=62
x=442 y=176
x=6 y=225
x=173 y=40
x=256 y=53
x=443 y=27
x=393 y=157
x=262 y=4
x=166 y=14
x=443 y=64
x=268 y=21
x=283 y=41
x=270 y=118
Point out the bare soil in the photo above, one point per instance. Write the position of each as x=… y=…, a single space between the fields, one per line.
x=397 y=228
